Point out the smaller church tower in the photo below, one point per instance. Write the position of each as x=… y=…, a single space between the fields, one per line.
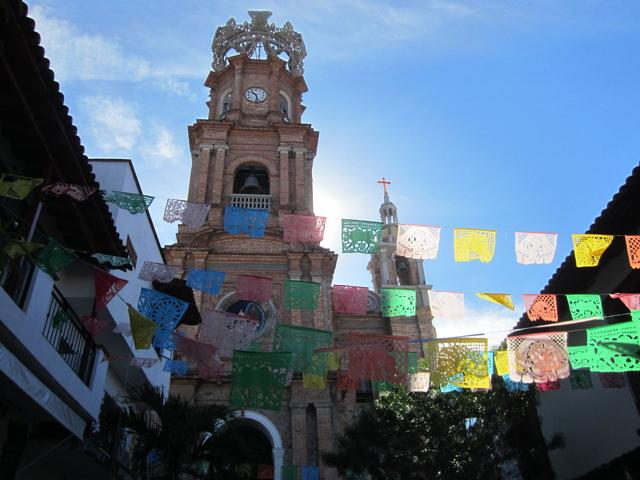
x=391 y=270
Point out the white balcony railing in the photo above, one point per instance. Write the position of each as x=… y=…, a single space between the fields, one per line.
x=250 y=201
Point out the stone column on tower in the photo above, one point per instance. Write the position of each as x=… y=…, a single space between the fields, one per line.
x=201 y=167
x=308 y=173
x=284 y=175
x=300 y=179
x=218 y=173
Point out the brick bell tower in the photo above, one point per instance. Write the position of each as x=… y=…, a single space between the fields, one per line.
x=254 y=151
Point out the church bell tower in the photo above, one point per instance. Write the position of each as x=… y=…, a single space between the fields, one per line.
x=254 y=151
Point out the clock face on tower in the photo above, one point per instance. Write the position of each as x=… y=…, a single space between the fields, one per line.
x=255 y=94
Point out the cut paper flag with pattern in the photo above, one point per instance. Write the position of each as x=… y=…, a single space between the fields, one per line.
x=584 y=306
x=301 y=295
x=245 y=221
x=535 y=248
x=540 y=357
x=107 y=287
x=633 y=250
x=207 y=281
x=144 y=362
x=254 y=288
x=501 y=361
x=548 y=386
x=301 y=342
x=179 y=367
x=513 y=387
x=60 y=318
x=419 y=382
x=398 y=302
x=472 y=244
x=418 y=241
x=461 y=362
x=579 y=356
x=614 y=348
x=191 y=214
x=95 y=326
x=165 y=310
x=78 y=192
x=630 y=300
x=588 y=248
x=580 y=380
x=503 y=299
x=208 y=364
x=289 y=472
x=53 y=258
x=310 y=473
x=113 y=260
x=446 y=304
x=349 y=299
x=409 y=368
x=142 y=329
x=381 y=358
x=258 y=379
x=360 y=236
x=134 y=203
x=303 y=228
x=17 y=187
x=158 y=271
x=227 y=331
x=541 y=307
x=19 y=248
x=319 y=381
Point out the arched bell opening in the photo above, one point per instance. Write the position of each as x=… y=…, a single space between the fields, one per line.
x=251 y=180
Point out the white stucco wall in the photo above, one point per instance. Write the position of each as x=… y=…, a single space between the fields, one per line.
x=117 y=175
x=598 y=424
x=27 y=325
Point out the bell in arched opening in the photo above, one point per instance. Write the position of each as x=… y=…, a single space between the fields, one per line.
x=251 y=181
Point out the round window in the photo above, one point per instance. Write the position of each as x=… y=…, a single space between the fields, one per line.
x=251 y=310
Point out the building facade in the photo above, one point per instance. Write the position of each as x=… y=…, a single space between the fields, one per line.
x=53 y=373
x=254 y=151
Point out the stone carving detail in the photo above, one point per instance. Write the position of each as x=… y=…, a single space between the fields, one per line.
x=245 y=38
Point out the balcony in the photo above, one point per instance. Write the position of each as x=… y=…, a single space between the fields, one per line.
x=70 y=340
x=250 y=201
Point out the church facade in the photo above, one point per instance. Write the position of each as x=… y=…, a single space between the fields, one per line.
x=254 y=151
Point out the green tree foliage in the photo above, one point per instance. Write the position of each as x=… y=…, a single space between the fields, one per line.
x=424 y=436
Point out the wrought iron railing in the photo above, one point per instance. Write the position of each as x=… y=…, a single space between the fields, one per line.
x=63 y=331
x=250 y=201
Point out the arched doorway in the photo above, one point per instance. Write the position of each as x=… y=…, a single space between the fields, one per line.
x=261 y=439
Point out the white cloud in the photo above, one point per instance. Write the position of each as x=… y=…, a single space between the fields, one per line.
x=494 y=323
x=114 y=124
x=174 y=86
x=75 y=55
x=162 y=149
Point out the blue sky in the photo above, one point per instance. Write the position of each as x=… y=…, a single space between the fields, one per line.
x=516 y=116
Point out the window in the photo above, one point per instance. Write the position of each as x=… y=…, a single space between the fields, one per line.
x=283 y=105
x=250 y=310
x=133 y=256
x=226 y=104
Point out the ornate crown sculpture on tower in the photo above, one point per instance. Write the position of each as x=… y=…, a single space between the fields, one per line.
x=246 y=37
